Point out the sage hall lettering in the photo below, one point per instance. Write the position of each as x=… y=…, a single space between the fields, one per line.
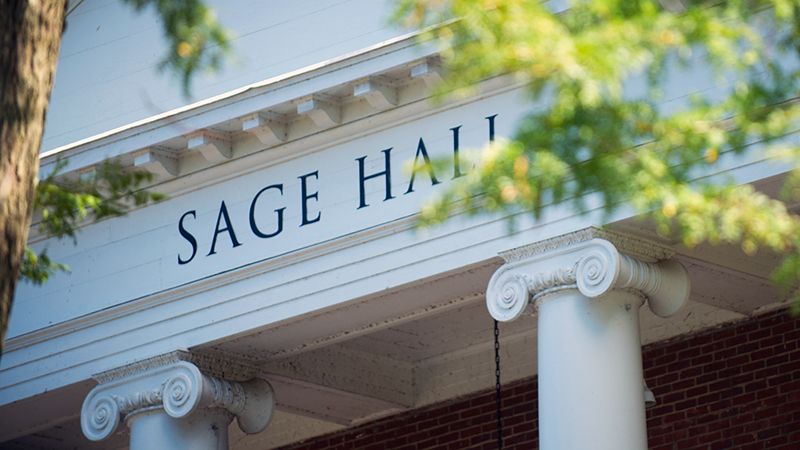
x=224 y=232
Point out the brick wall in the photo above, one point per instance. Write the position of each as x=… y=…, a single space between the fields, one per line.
x=732 y=387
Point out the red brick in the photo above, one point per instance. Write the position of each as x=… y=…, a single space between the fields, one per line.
x=765 y=413
x=746 y=398
x=744 y=439
x=752 y=366
x=771 y=401
x=764 y=353
x=724 y=354
x=688 y=404
x=682 y=384
x=653 y=351
x=754 y=426
x=724 y=334
x=675 y=436
x=674 y=417
x=766 y=393
x=700 y=339
x=741 y=419
x=662 y=409
x=714 y=367
x=709 y=438
x=721 y=445
x=785 y=347
x=768 y=322
x=703 y=359
x=790 y=367
x=700 y=410
x=789 y=407
x=780 y=420
x=795 y=356
x=767 y=372
x=778 y=360
x=697 y=391
x=679 y=365
x=738 y=360
x=713 y=396
x=691 y=372
x=747 y=327
x=758 y=385
x=793 y=335
x=677 y=346
x=666 y=359
x=732 y=392
x=706 y=378
x=736 y=341
x=758 y=335
x=768 y=433
x=743 y=378
x=790 y=387
x=729 y=372
x=673 y=397
x=667 y=379
x=773 y=341
x=783 y=328
x=689 y=353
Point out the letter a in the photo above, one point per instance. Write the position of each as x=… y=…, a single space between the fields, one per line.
x=223 y=214
x=421 y=150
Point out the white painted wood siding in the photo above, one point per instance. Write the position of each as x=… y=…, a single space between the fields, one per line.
x=107 y=73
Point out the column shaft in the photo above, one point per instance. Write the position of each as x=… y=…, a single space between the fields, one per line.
x=590 y=372
x=203 y=430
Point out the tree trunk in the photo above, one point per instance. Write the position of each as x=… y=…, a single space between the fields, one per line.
x=30 y=38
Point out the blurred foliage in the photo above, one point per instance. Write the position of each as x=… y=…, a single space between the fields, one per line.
x=63 y=203
x=598 y=73
x=196 y=40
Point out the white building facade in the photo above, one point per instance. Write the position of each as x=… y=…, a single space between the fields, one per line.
x=281 y=292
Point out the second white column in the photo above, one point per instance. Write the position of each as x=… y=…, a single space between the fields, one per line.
x=586 y=294
x=590 y=372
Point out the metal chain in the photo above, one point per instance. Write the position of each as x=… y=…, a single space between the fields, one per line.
x=497 y=385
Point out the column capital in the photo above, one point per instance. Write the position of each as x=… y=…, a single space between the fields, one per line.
x=178 y=387
x=593 y=261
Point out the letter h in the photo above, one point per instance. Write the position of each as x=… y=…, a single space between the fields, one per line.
x=362 y=178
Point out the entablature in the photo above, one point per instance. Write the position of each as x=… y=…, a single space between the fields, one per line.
x=258 y=119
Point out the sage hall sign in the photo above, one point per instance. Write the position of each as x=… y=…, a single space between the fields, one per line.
x=309 y=194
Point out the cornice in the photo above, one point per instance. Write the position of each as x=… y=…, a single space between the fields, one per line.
x=277 y=111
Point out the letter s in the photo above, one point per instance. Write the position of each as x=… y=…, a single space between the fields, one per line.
x=188 y=236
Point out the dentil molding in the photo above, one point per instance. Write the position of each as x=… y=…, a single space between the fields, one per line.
x=180 y=388
x=592 y=261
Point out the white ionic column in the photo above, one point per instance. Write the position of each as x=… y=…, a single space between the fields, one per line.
x=587 y=294
x=169 y=403
x=207 y=429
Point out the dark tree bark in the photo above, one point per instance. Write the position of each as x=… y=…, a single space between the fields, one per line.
x=30 y=39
